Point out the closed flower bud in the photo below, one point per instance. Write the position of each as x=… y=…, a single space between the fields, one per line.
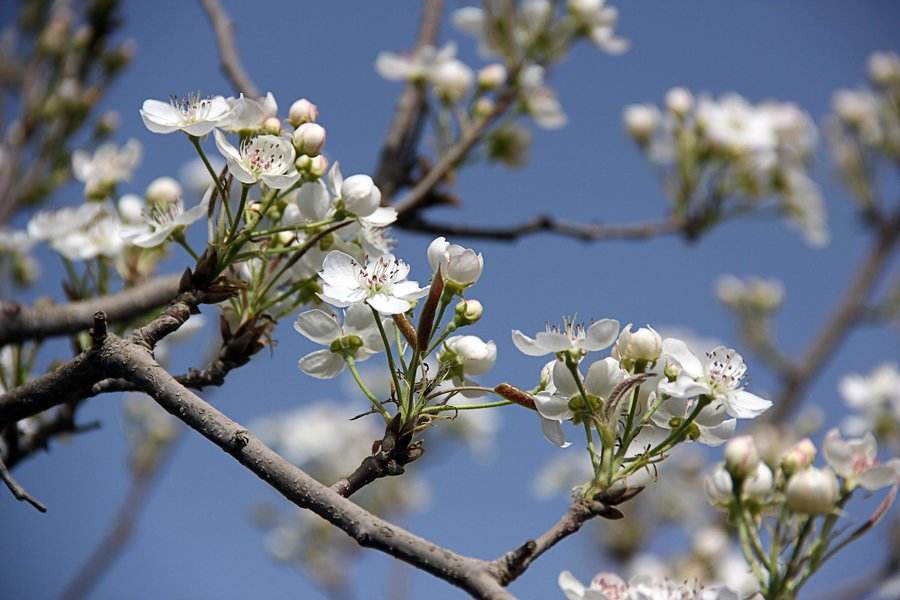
x=800 y=456
x=884 y=68
x=812 y=491
x=484 y=106
x=163 y=191
x=302 y=111
x=360 y=195
x=460 y=267
x=452 y=80
x=741 y=456
x=492 y=76
x=271 y=126
x=318 y=165
x=759 y=484
x=468 y=312
x=475 y=356
x=642 y=345
x=679 y=101
x=309 y=139
x=131 y=208
x=641 y=121
x=718 y=486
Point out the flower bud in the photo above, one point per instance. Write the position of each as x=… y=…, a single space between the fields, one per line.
x=741 y=457
x=492 y=76
x=452 y=80
x=884 y=68
x=641 y=121
x=644 y=344
x=163 y=191
x=475 y=356
x=812 y=491
x=315 y=166
x=131 y=208
x=309 y=139
x=468 y=312
x=460 y=267
x=718 y=486
x=271 y=126
x=760 y=483
x=679 y=101
x=800 y=456
x=303 y=111
x=360 y=195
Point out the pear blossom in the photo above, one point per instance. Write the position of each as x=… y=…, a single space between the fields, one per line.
x=302 y=111
x=504 y=28
x=309 y=138
x=381 y=283
x=358 y=336
x=644 y=344
x=856 y=460
x=753 y=294
x=417 y=67
x=459 y=265
x=608 y=586
x=249 y=114
x=604 y=586
x=48 y=225
x=452 y=80
x=107 y=166
x=162 y=220
x=876 y=397
x=540 y=100
x=741 y=456
x=101 y=236
x=733 y=125
x=193 y=115
x=266 y=158
x=571 y=337
x=641 y=121
x=163 y=190
x=720 y=377
x=554 y=403
x=599 y=22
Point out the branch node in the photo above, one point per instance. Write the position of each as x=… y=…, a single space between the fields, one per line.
x=241 y=439
x=98 y=331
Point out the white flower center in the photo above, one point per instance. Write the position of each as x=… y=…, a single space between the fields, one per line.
x=160 y=215
x=193 y=108
x=572 y=330
x=378 y=276
x=264 y=155
x=724 y=370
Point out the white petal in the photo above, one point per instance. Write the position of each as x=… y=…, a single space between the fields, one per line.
x=564 y=380
x=554 y=433
x=678 y=351
x=280 y=182
x=880 y=476
x=600 y=335
x=318 y=325
x=552 y=341
x=321 y=364
x=551 y=406
x=570 y=586
x=527 y=345
x=340 y=269
x=228 y=151
x=744 y=405
x=683 y=387
x=388 y=305
x=603 y=376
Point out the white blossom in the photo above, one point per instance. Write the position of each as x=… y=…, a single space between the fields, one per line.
x=101 y=236
x=599 y=21
x=473 y=355
x=193 y=115
x=358 y=336
x=162 y=220
x=107 y=166
x=249 y=114
x=459 y=265
x=876 y=397
x=720 y=377
x=571 y=337
x=856 y=460
x=266 y=158
x=381 y=283
x=418 y=66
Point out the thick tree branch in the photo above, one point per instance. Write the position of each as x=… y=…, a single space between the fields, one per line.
x=851 y=308
x=228 y=54
x=588 y=232
x=19 y=323
x=398 y=154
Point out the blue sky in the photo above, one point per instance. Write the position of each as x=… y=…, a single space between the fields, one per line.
x=196 y=539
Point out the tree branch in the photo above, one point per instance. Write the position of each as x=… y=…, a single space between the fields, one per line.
x=587 y=232
x=20 y=493
x=851 y=308
x=228 y=54
x=398 y=154
x=19 y=323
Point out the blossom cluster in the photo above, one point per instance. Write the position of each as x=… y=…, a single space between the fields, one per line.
x=864 y=128
x=726 y=154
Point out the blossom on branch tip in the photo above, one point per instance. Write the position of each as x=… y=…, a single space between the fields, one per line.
x=162 y=220
x=106 y=167
x=856 y=461
x=571 y=337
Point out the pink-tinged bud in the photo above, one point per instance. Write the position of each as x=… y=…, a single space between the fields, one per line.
x=271 y=126
x=800 y=456
x=303 y=111
x=812 y=491
x=679 y=101
x=741 y=457
x=492 y=76
x=309 y=139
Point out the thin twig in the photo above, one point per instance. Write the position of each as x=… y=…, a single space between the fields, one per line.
x=18 y=491
x=228 y=54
